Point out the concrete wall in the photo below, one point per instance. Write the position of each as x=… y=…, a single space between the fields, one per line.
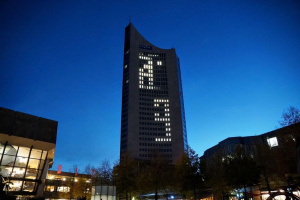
x=27 y=126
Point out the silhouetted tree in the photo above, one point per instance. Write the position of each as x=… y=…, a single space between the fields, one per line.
x=89 y=169
x=241 y=170
x=82 y=188
x=188 y=174
x=290 y=116
x=79 y=187
x=266 y=159
x=286 y=155
x=214 y=175
x=125 y=172
x=103 y=173
x=156 y=176
x=4 y=186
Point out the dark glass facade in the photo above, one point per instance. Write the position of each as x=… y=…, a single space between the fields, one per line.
x=153 y=116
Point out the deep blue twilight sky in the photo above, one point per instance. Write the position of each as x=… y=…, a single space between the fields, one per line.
x=62 y=60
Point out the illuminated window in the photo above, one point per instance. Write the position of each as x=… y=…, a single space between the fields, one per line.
x=18 y=172
x=1 y=148
x=11 y=150
x=16 y=185
x=35 y=153
x=28 y=186
x=62 y=189
x=8 y=160
x=33 y=163
x=23 y=151
x=31 y=174
x=273 y=142
x=21 y=162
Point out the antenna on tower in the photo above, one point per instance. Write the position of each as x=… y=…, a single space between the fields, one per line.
x=129 y=19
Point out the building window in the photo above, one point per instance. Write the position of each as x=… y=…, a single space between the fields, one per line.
x=63 y=189
x=273 y=142
x=22 y=163
x=49 y=188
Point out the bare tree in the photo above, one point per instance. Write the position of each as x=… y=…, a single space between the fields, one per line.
x=89 y=169
x=104 y=172
x=73 y=169
x=290 y=116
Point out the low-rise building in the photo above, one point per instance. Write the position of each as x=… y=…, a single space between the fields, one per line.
x=66 y=185
x=275 y=152
x=27 y=146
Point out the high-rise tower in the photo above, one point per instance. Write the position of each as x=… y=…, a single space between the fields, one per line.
x=153 y=116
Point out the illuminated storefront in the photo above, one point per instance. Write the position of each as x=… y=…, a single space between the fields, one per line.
x=27 y=145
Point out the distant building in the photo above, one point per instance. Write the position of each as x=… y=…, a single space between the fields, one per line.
x=278 y=149
x=273 y=139
x=27 y=146
x=66 y=185
x=153 y=116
